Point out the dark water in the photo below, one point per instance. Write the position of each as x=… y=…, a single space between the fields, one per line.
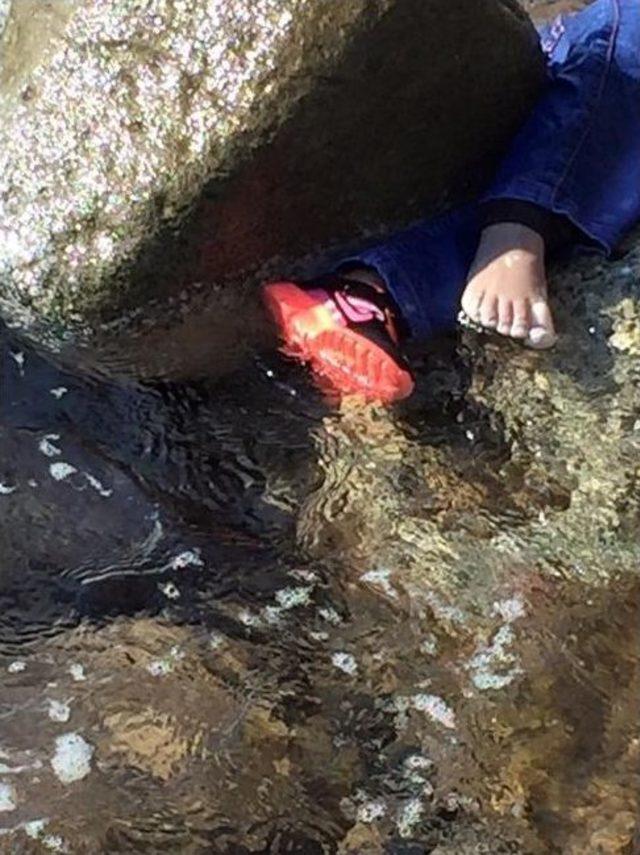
x=236 y=620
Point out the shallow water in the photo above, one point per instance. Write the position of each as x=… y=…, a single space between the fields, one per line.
x=235 y=620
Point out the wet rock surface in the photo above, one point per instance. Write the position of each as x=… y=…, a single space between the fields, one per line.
x=234 y=621
x=151 y=147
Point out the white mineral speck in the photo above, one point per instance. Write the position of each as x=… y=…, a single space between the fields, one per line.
x=5 y=8
x=17 y=666
x=345 y=662
x=510 y=610
x=59 y=710
x=485 y=680
x=382 y=579
x=170 y=591
x=34 y=828
x=189 y=558
x=291 y=598
x=60 y=471
x=216 y=641
x=18 y=358
x=436 y=708
x=493 y=666
x=77 y=672
x=46 y=445
x=160 y=667
x=409 y=817
x=72 y=759
x=371 y=811
x=307 y=576
x=59 y=392
x=429 y=645
x=55 y=843
x=7 y=797
x=6 y=490
x=329 y=614
x=98 y=485
x=248 y=618
x=164 y=666
x=418 y=763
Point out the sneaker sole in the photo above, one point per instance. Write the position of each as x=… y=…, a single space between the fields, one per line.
x=349 y=361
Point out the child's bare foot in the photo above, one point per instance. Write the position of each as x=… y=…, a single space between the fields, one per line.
x=507 y=286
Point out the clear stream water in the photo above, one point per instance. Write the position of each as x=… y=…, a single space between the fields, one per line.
x=234 y=619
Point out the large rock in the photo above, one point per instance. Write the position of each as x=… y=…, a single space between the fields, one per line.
x=281 y=126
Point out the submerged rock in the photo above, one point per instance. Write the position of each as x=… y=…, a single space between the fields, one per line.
x=279 y=127
x=262 y=627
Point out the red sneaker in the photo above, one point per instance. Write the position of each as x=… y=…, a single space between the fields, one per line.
x=348 y=333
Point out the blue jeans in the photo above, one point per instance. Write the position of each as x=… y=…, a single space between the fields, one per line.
x=577 y=155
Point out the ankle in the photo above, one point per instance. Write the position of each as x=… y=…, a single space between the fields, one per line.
x=366 y=275
x=499 y=238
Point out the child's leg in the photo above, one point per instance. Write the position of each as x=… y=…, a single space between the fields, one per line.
x=424 y=268
x=576 y=162
x=579 y=153
x=349 y=325
x=577 y=157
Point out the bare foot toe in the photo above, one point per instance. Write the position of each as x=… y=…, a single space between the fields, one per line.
x=489 y=312
x=542 y=334
x=521 y=319
x=471 y=303
x=507 y=289
x=505 y=311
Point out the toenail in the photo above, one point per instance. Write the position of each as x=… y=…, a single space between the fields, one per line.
x=541 y=338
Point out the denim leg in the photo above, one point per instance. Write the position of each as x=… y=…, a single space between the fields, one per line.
x=579 y=152
x=425 y=268
x=577 y=155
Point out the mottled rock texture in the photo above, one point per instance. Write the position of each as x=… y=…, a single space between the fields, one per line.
x=148 y=145
x=285 y=630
